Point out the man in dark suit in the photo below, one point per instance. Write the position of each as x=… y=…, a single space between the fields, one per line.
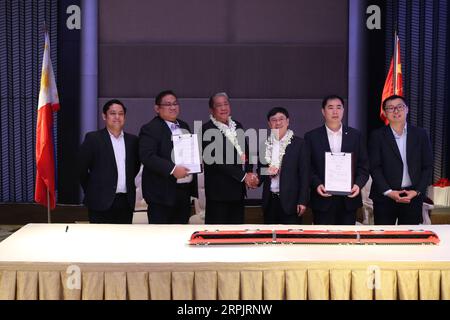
x=400 y=165
x=226 y=164
x=284 y=172
x=167 y=188
x=108 y=165
x=335 y=137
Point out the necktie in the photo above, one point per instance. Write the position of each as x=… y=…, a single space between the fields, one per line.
x=174 y=126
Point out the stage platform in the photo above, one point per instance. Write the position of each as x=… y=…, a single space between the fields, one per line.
x=82 y=261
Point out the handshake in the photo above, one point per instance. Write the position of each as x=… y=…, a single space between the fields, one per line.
x=251 y=180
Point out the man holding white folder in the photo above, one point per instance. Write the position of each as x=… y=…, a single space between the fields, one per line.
x=166 y=187
x=339 y=141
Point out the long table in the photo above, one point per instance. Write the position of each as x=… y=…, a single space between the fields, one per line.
x=88 y=261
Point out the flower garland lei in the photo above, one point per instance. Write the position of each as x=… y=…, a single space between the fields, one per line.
x=284 y=142
x=229 y=132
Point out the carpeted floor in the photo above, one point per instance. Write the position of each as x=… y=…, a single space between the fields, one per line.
x=6 y=231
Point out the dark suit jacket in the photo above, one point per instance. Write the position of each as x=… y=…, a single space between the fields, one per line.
x=386 y=166
x=155 y=152
x=352 y=141
x=222 y=180
x=294 y=177
x=98 y=169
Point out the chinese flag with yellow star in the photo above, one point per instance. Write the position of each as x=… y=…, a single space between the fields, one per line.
x=389 y=87
x=45 y=160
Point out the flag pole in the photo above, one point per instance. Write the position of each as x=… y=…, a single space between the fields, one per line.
x=44 y=27
x=49 y=217
x=395 y=61
x=47 y=104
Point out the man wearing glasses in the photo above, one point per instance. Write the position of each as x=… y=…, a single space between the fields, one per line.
x=284 y=172
x=400 y=165
x=167 y=188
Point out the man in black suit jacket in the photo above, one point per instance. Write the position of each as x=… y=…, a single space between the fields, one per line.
x=400 y=165
x=226 y=165
x=167 y=188
x=335 y=137
x=109 y=163
x=284 y=172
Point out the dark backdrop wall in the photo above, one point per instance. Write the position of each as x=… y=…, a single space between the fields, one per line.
x=423 y=33
x=423 y=28
x=69 y=98
x=262 y=53
x=376 y=68
x=21 y=51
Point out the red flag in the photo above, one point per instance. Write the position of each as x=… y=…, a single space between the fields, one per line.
x=394 y=82
x=48 y=103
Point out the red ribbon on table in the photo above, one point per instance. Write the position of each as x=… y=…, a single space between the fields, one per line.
x=442 y=183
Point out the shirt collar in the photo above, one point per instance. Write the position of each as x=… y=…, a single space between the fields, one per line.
x=405 y=131
x=170 y=122
x=334 y=133
x=113 y=136
x=170 y=125
x=284 y=137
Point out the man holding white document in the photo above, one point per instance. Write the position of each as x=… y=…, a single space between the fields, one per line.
x=339 y=167
x=167 y=150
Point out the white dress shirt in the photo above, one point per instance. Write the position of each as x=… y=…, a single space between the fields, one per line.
x=120 y=155
x=176 y=130
x=401 y=144
x=275 y=180
x=334 y=139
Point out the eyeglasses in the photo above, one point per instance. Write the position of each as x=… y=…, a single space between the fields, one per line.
x=275 y=120
x=391 y=109
x=113 y=113
x=169 y=104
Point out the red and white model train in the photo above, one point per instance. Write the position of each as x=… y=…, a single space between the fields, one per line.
x=301 y=236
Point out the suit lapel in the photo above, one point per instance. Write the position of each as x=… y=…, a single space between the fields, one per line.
x=109 y=146
x=324 y=139
x=225 y=141
x=286 y=157
x=127 y=154
x=183 y=125
x=346 y=143
x=166 y=128
x=411 y=141
x=390 y=140
x=167 y=133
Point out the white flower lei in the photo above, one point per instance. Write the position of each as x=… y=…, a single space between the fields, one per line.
x=284 y=142
x=229 y=132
